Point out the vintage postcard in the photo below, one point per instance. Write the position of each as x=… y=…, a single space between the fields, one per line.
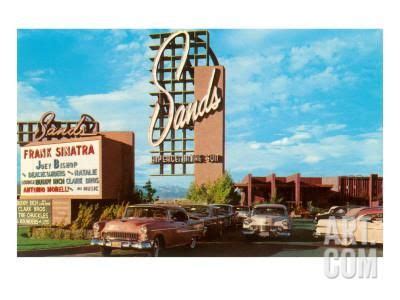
x=199 y=142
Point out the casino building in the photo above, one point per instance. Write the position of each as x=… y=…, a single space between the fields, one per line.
x=297 y=190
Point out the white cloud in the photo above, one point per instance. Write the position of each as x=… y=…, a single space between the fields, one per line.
x=331 y=51
x=312 y=159
x=283 y=87
x=116 y=36
x=309 y=107
x=241 y=39
x=121 y=109
x=31 y=105
x=125 y=109
x=324 y=81
x=317 y=130
x=128 y=46
x=295 y=153
x=333 y=127
x=36 y=76
x=295 y=138
x=327 y=51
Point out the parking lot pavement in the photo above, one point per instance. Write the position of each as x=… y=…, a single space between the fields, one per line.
x=248 y=249
x=301 y=244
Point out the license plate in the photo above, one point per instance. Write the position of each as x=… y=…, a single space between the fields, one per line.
x=116 y=244
x=264 y=233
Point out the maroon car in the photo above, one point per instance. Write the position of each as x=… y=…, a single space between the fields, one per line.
x=210 y=216
x=149 y=228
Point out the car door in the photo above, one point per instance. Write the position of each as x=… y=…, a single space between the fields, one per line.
x=370 y=229
x=375 y=229
x=213 y=220
x=184 y=228
x=223 y=215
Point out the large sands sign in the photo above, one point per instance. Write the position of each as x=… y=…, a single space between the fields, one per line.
x=62 y=169
x=187 y=126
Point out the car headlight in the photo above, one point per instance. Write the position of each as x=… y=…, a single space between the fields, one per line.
x=143 y=232
x=282 y=223
x=247 y=221
x=96 y=227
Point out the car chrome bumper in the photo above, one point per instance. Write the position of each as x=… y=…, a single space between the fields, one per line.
x=251 y=232
x=122 y=244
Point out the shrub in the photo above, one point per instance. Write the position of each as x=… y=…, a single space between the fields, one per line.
x=80 y=234
x=198 y=193
x=86 y=216
x=55 y=233
x=148 y=192
x=114 y=211
x=107 y=214
x=58 y=234
x=121 y=210
x=220 y=191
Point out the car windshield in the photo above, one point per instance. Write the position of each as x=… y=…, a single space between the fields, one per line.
x=332 y=209
x=196 y=209
x=242 y=209
x=274 y=211
x=145 y=212
x=351 y=213
x=222 y=208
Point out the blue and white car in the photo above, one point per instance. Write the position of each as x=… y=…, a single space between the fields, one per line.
x=268 y=220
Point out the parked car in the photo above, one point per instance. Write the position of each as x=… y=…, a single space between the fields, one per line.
x=241 y=213
x=267 y=220
x=227 y=211
x=149 y=228
x=335 y=211
x=209 y=215
x=364 y=225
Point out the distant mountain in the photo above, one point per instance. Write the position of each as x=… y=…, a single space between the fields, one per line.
x=170 y=192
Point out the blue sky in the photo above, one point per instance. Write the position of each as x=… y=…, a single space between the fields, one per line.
x=306 y=101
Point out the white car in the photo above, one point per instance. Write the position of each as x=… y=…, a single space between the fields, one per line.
x=363 y=225
x=267 y=220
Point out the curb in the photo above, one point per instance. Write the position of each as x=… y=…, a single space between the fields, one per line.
x=58 y=251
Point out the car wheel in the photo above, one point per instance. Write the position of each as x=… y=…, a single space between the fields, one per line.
x=193 y=243
x=157 y=246
x=106 y=251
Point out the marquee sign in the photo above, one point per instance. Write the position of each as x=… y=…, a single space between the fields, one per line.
x=48 y=128
x=184 y=100
x=62 y=169
x=34 y=212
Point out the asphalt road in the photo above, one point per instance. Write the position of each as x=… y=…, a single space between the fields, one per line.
x=301 y=244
